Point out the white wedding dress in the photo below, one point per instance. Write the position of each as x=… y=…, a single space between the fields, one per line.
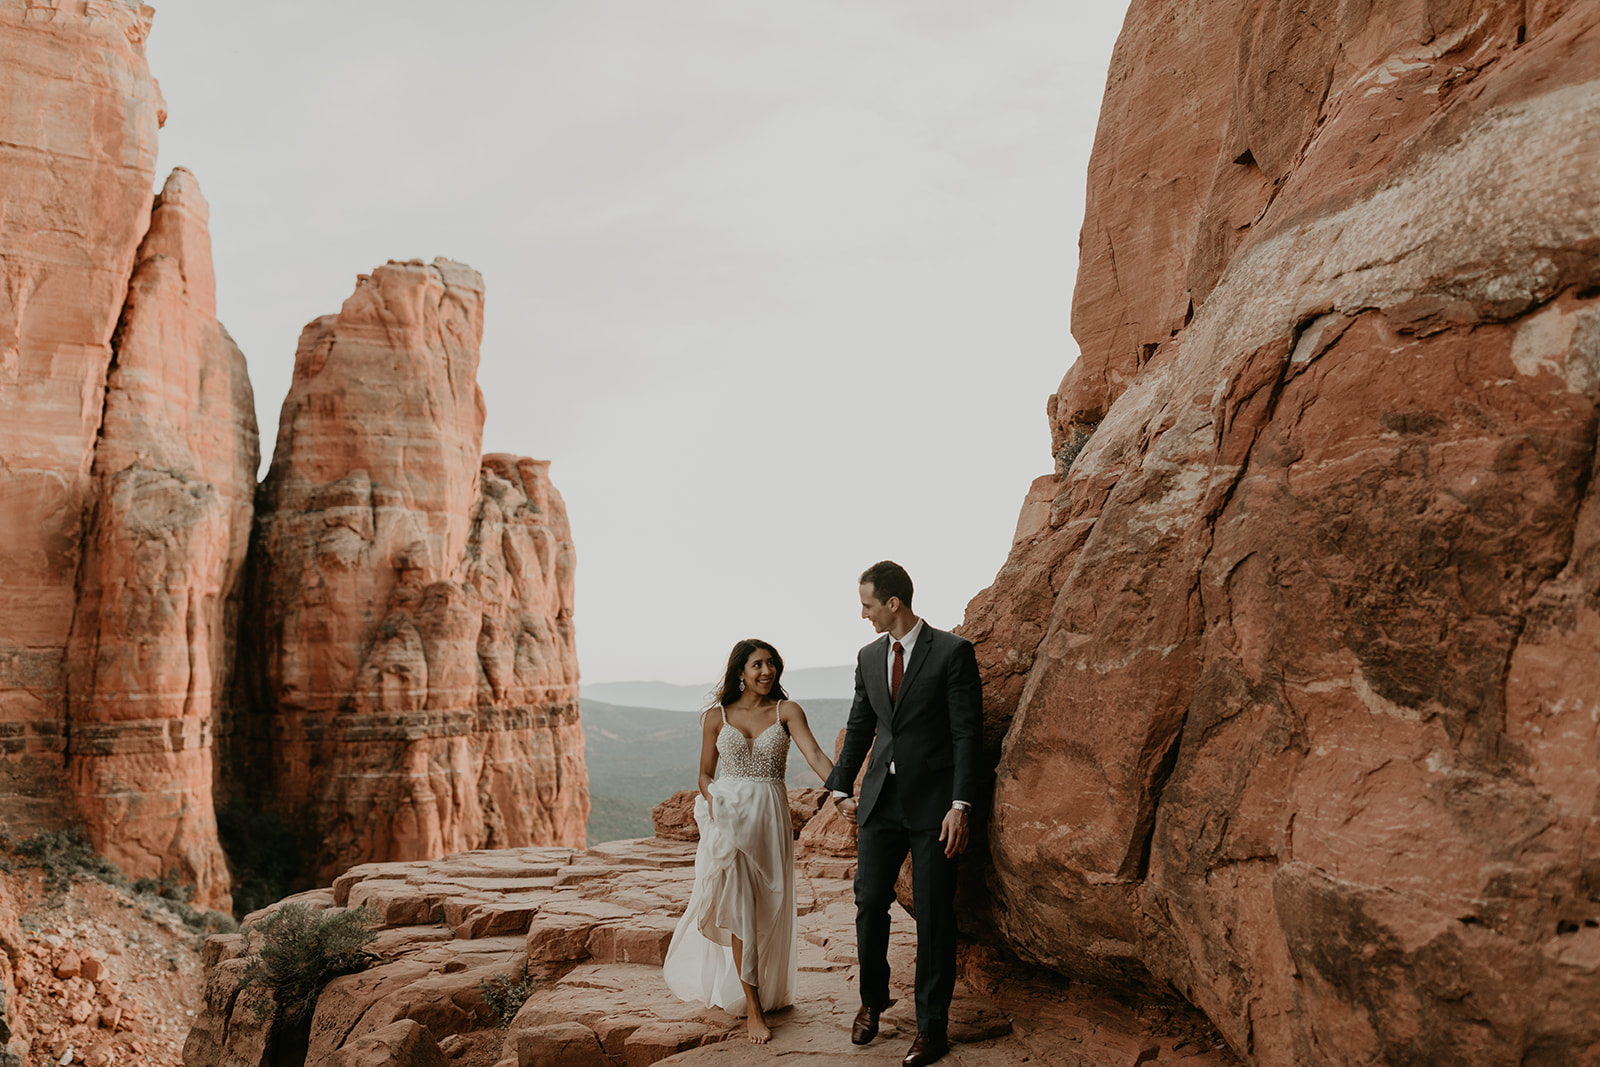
x=743 y=881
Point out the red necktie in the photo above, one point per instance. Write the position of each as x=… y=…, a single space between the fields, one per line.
x=898 y=673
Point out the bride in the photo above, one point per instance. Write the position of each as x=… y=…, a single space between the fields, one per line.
x=734 y=948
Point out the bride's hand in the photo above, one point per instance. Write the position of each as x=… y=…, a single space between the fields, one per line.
x=709 y=811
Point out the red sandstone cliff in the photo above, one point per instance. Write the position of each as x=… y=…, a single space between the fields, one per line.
x=78 y=118
x=1297 y=665
x=151 y=659
x=417 y=686
x=414 y=683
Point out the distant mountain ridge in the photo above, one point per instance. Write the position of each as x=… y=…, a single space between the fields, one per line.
x=805 y=683
x=639 y=756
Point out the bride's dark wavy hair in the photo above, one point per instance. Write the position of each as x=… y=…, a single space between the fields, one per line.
x=727 y=691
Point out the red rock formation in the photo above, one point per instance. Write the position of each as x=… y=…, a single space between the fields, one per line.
x=416 y=672
x=78 y=118
x=673 y=818
x=590 y=930
x=1297 y=664
x=417 y=685
x=158 y=595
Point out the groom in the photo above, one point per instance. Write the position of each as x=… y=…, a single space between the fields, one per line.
x=917 y=694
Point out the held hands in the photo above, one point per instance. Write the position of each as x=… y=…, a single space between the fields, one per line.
x=953 y=832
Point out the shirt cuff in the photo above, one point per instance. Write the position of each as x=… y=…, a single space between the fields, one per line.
x=960 y=805
x=837 y=794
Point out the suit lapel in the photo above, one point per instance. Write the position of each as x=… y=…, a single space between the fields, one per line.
x=919 y=656
x=877 y=678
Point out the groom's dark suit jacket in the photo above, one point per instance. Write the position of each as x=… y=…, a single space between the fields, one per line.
x=933 y=733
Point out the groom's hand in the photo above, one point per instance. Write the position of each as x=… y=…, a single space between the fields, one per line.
x=847 y=807
x=953 y=832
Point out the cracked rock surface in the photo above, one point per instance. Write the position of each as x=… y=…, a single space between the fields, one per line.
x=1293 y=673
x=591 y=929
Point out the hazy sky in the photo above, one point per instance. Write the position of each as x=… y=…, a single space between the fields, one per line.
x=780 y=288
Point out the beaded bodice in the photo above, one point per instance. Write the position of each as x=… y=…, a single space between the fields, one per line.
x=764 y=759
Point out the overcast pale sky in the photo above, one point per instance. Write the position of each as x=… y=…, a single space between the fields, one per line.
x=780 y=288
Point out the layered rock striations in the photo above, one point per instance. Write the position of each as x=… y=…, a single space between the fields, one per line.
x=78 y=118
x=1296 y=661
x=416 y=689
x=410 y=680
x=127 y=456
x=151 y=660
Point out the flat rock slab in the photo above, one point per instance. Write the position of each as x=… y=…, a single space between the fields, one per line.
x=495 y=918
x=590 y=944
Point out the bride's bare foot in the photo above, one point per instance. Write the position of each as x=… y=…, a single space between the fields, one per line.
x=760 y=1032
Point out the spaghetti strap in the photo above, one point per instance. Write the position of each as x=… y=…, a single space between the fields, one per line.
x=724 y=714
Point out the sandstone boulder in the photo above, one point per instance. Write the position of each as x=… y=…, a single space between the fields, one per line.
x=560 y=1045
x=674 y=817
x=1294 y=660
x=403 y=1043
x=828 y=837
x=803 y=807
x=829 y=832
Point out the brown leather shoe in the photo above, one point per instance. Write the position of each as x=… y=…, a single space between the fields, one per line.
x=926 y=1049
x=865 y=1028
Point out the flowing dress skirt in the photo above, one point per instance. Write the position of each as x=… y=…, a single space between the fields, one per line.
x=744 y=888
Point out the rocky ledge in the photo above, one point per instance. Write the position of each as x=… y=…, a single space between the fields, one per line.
x=589 y=930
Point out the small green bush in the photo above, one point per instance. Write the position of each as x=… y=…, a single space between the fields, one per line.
x=506 y=994
x=169 y=886
x=293 y=953
x=172 y=894
x=1072 y=446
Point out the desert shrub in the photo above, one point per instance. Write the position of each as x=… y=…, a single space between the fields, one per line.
x=63 y=855
x=294 y=952
x=66 y=854
x=1071 y=447
x=263 y=856
x=505 y=994
x=169 y=886
x=170 y=893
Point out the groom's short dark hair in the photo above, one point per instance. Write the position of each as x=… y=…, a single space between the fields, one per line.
x=888 y=579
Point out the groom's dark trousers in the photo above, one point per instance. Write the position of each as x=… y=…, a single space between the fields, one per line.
x=932 y=735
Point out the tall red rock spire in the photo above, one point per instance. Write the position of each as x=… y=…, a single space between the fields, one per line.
x=151 y=661
x=417 y=680
x=78 y=118
x=412 y=676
